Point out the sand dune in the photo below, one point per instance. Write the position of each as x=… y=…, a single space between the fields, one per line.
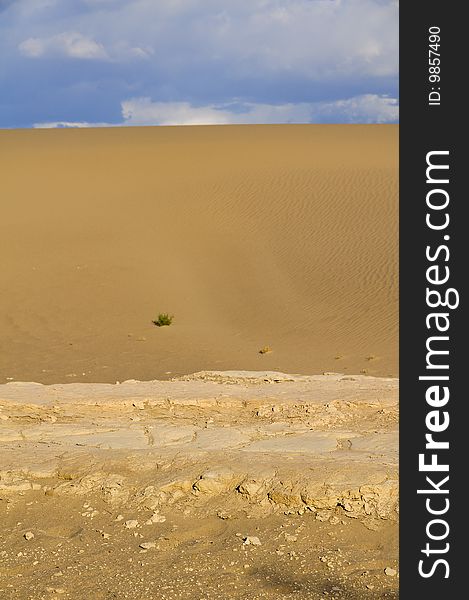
x=280 y=236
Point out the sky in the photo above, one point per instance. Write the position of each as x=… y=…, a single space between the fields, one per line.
x=83 y=63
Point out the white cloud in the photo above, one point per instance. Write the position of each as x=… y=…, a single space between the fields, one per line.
x=69 y=125
x=71 y=44
x=368 y=108
x=76 y=45
x=138 y=52
x=315 y=39
x=32 y=47
x=142 y=111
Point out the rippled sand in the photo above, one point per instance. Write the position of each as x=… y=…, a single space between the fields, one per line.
x=252 y=236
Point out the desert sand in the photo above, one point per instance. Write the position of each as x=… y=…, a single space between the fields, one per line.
x=180 y=462
x=251 y=236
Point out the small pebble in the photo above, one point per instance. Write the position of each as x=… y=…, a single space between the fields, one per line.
x=131 y=523
x=155 y=518
x=147 y=545
x=252 y=540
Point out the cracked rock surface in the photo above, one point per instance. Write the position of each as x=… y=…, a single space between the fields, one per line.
x=220 y=448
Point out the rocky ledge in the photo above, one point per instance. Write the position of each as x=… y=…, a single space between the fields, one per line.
x=219 y=443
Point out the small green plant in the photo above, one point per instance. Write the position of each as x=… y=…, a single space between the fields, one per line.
x=163 y=320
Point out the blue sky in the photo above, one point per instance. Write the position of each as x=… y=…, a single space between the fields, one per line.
x=165 y=62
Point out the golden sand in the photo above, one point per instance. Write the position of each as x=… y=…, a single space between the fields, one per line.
x=282 y=237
